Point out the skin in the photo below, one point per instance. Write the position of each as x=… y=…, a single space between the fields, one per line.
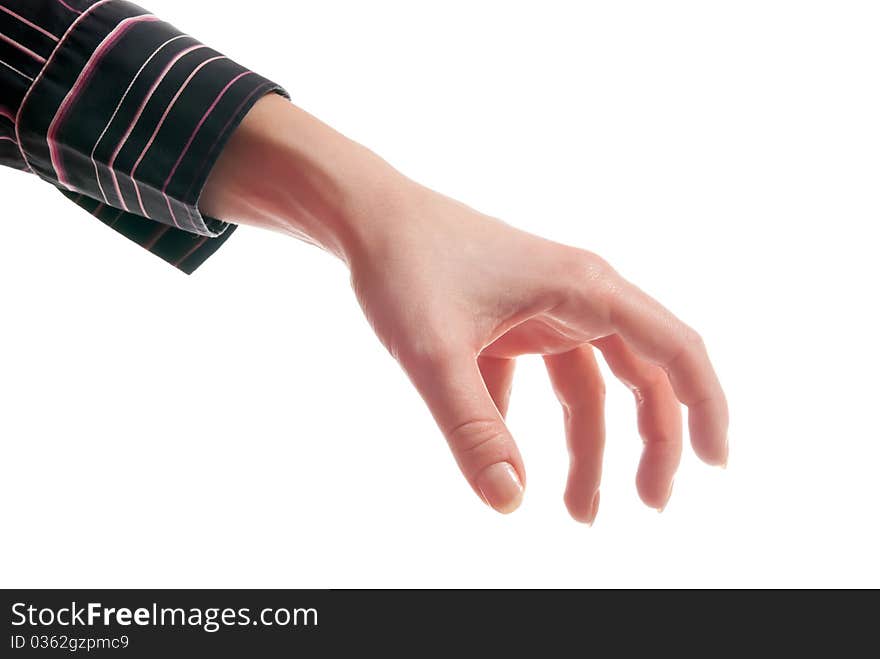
x=455 y=296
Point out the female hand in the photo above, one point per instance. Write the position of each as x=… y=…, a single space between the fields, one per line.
x=456 y=296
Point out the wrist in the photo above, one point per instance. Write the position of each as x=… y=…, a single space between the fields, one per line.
x=285 y=170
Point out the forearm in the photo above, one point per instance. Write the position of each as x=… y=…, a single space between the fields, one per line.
x=285 y=170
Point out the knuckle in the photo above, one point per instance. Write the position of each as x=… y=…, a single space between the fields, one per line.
x=584 y=266
x=651 y=379
x=663 y=444
x=688 y=346
x=691 y=346
x=693 y=339
x=662 y=451
x=590 y=278
x=478 y=441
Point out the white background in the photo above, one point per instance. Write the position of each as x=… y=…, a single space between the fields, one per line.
x=242 y=427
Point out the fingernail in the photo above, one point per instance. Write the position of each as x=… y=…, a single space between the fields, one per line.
x=668 y=497
x=501 y=487
x=726 y=453
x=594 y=508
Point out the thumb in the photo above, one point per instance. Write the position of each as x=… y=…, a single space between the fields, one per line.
x=463 y=408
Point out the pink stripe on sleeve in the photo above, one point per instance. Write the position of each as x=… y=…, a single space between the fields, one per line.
x=24 y=49
x=82 y=16
x=159 y=127
x=119 y=106
x=209 y=154
x=195 y=248
x=82 y=81
x=138 y=115
x=75 y=11
x=190 y=141
x=30 y=24
x=14 y=70
x=200 y=124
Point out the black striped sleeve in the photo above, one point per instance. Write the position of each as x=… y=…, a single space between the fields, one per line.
x=127 y=116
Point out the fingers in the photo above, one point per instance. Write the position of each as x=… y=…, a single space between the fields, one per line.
x=659 y=419
x=498 y=375
x=663 y=339
x=578 y=384
x=454 y=390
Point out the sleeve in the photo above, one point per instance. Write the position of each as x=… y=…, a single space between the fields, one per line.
x=127 y=116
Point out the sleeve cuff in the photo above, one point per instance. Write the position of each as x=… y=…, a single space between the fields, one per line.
x=184 y=250
x=128 y=117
